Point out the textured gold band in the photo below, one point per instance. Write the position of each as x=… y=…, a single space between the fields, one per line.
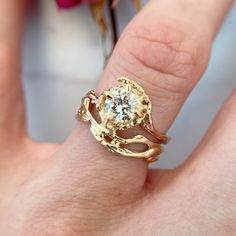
x=121 y=108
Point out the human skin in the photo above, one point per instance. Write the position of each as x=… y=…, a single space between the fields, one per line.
x=67 y=189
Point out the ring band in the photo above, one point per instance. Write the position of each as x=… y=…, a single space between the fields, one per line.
x=121 y=108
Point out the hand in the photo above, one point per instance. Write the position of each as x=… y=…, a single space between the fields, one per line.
x=48 y=189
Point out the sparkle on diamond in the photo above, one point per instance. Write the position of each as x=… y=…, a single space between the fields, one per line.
x=123 y=105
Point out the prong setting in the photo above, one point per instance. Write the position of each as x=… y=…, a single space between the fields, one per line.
x=120 y=108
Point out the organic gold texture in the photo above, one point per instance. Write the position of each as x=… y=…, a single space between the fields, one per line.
x=106 y=130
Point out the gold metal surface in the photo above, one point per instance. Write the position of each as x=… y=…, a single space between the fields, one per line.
x=121 y=108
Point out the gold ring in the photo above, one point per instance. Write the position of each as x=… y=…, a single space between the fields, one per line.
x=120 y=108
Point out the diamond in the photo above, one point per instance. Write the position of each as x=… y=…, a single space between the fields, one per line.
x=123 y=105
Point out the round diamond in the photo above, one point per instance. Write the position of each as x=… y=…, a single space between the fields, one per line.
x=123 y=105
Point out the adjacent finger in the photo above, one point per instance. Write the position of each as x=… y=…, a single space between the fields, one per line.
x=216 y=152
x=208 y=177
x=12 y=120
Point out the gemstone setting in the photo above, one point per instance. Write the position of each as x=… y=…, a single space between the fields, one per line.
x=118 y=109
x=122 y=105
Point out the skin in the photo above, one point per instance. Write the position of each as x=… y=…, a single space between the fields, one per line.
x=47 y=189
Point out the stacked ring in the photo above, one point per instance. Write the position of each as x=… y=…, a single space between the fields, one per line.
x=121 y=108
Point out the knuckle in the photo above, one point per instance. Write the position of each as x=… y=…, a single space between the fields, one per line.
x=164 y=47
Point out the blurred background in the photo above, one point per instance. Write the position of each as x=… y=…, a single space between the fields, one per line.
x=64 y=57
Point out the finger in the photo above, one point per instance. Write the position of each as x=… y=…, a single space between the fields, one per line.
x=208 y=178
x=12 y=14
x=166 y=55
x=216 y=152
